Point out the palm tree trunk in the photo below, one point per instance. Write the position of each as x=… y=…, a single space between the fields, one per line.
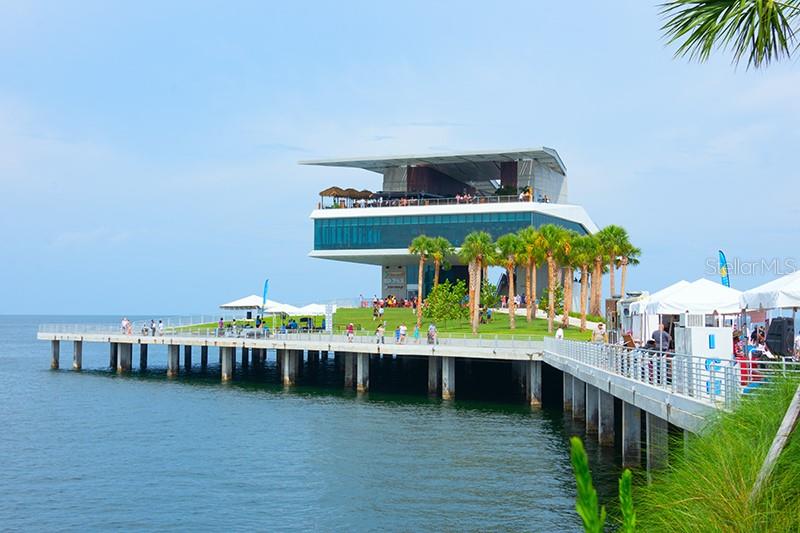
x=436 y=265
x=551 y=292
x=611 y=269
x=528 y=285
x=476 y=313
x=567 y=296
x=512 y=306
x=623 y=276
x=471 y=269
x=419 y=291
x=597 y=285
x=584 y=287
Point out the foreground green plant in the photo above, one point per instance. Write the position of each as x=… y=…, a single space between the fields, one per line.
x=708 y=488
x=586 y=504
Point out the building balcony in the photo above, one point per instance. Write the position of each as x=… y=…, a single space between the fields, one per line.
x=388 y=199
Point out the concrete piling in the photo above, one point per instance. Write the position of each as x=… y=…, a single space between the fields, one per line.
x=362 y=378
x=203 y=358
x=289 y=368
x=592 y=412
x=657 y=442
x=228 y=361
x=77 y=355
x=187 y=358
x=173 y=360
x=112 y=356
x=534 y=383
x=245 y=358
x=448 y=378
x=605 y=418
x=349 y=360
x=434 y=374
x=631 y=435
x=143 y=357
x=55 y=354
x=124 y=357
x=578 y=399
x=567 y=392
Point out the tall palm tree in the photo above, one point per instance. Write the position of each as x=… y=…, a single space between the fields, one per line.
x=551 y=240
x=476 y=251
x=614 y=240
x=509 y=248
x=761 y=30
x=530 y=256
x=598 y=262
x=583 y=254
x=421 y=246
x=442 y=249
x=566 y=261
x=629 y=255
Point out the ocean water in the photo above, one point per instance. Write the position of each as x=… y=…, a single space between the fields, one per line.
x=92 y=450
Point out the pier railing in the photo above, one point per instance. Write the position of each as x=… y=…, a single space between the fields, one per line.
x=516 y=342
x=717 y=381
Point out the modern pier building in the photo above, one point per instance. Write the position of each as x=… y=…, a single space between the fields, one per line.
x=447 y=195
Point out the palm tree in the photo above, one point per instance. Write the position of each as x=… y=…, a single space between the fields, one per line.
x=442 y=249
x=761 y=30
x=614 y=240
x=551 y=240
x=530 y=255
x=566 y=260
x=629 y=255
x=476 y=251
x=583 y=254
x=598 y=262
x=509 y=248
x=422 y=246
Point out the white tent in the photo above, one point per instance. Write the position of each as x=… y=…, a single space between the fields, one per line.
x=702 y=297
x=277 y=308
x=638 y=308
x=246 y=303
x=313 y=310
x=781 y=293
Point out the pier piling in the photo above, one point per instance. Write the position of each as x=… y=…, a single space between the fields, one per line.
x=55 y=354
x=631 y=435
x=203 y=358
x=567 y=392
x=77 y=355
x=187 y=358
x=245 y=358
x=363 y=373
x=578 y=399
x=605 y=418
x=228 y=361
x=434 y=374
x=173 y=359
x=349 y=363
x=112 y=356
x=657 y=442
x=448 y=378
x=534 y=383
x=592 y=413
x=124 y=357
x=143 y=357
x=289 y=368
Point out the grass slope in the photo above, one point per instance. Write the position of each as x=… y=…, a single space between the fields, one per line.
x=708 y=490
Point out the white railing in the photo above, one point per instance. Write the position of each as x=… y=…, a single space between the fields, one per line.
x=717 y=381
x=204 y=329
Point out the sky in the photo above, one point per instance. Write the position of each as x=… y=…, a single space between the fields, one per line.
x=148 y=150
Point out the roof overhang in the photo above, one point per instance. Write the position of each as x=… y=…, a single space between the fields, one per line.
x=479 y=161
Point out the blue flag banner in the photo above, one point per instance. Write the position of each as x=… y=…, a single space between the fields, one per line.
x=723 y=269
x=264 y=299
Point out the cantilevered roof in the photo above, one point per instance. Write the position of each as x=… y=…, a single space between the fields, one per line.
x=546 y=156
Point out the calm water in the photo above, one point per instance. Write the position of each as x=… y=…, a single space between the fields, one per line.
x=93 y=451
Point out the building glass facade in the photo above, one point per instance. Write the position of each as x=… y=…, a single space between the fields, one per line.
x=364 y=233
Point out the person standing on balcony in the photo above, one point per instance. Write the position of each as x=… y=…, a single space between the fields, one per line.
x=661 y=338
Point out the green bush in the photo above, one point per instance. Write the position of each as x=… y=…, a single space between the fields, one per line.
x=445 y=302
x=544 y=301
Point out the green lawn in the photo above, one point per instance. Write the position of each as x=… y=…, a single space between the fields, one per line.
x=362 y=319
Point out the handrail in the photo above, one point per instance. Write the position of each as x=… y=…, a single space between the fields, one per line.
x=416 y=202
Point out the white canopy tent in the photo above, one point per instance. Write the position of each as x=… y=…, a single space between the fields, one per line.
x=253 y=303
x=642 y=323
x=701 y=297
x=781 y=293
x=638 y=308
x=313 y=310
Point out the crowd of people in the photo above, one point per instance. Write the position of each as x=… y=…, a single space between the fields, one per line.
x=466 y=197
x=152 y=329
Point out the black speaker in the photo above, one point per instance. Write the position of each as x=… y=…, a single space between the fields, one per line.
x=780 y=336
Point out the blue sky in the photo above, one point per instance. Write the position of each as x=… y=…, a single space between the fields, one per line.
x=148 y=151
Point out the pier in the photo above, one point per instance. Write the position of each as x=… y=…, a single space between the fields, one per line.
x=631 y=399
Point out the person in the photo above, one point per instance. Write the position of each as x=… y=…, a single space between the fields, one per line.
x=375 y=311
x=351 y=331
x=403 y=333
x=397 y=334
x=661 y=338
x=258 y=321
x=599 y=335
x=797 y=346
x=124 y=325
x=432 y=334
x=220 y=327
x=560 y=333
x=379 y=334
x=489 y=314
x=160 y=328
x=380 y=312
x=153 y=328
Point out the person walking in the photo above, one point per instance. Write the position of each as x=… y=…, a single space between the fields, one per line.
x=153 y=328
x=599 y=335
x=397 y=334
x=160 y=328
x=351 y=331
x=220 y=327
x=379 y=334
x=432 y=334
x=403 y=333
x=416 y=334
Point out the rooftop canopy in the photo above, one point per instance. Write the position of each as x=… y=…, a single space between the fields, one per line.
x=464 y=165
x=781 y=293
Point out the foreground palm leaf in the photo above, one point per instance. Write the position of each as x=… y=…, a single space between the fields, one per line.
x=761 y=30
